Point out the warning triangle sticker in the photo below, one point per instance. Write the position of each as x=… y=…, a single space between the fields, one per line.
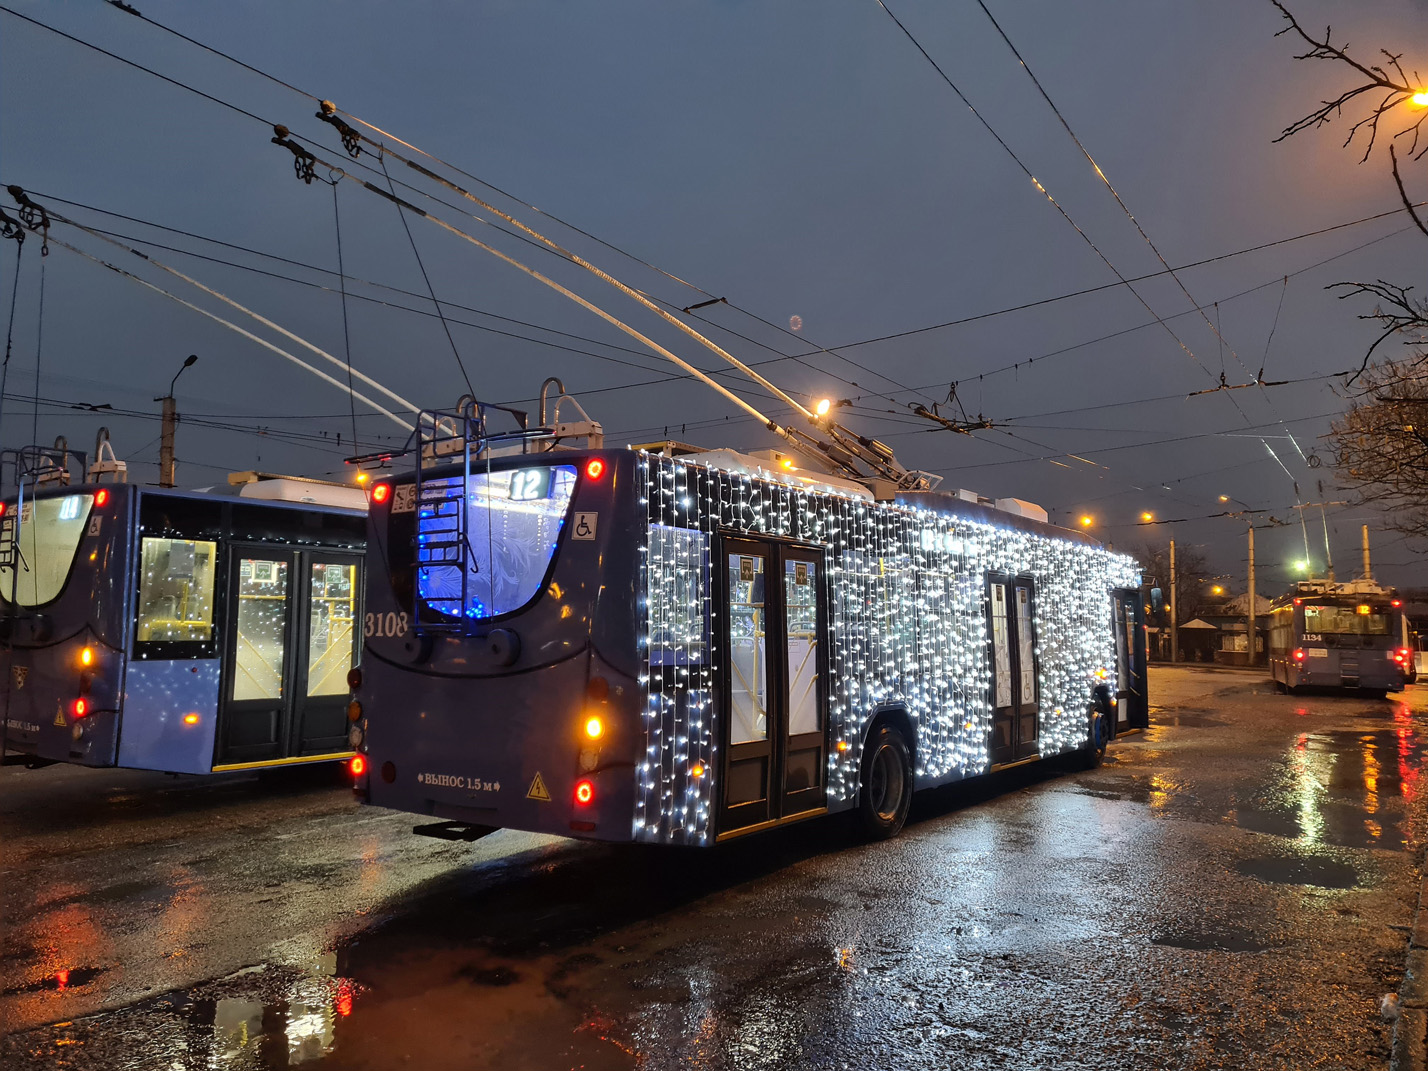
x=538 y=791
x=59 y=716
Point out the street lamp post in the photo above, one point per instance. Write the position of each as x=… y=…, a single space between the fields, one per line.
x=170 y=421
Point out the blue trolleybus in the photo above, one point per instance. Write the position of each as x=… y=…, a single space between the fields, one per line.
x=182 y=631
x=1350 y=635
x=679 y=648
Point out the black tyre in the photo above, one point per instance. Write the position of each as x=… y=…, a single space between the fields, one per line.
x=886 y=791
x=1102 y=727
x=1094 y=753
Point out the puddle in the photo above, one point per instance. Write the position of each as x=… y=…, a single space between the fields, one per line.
x=1348 y=788
x=1191 y=721
x=1226 y=940
x=264 y=1017
x=69 y=978
x=1324 y=873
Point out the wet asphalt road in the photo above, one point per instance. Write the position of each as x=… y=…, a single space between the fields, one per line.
x=1232 y=889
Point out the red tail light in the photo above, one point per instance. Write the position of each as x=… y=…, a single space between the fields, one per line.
x=585 y=792
x=101 y=497
x=381 y=492
x=3 y=506
x=1401 y=655
x=595 y=468
x=80 y=708
x=1299 y=654
x=358 y=766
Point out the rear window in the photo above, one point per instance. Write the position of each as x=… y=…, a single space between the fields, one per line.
x=50 y=529
x=489 y=555
x=1345 y=620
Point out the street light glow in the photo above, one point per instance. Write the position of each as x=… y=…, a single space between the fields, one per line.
x=1301 y=566
x=1087 y=521
x=1147 y=517
x=1224 y=498
x=1217 y=590
x=824 y=404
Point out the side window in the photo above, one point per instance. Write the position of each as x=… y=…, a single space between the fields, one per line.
x=176 y=596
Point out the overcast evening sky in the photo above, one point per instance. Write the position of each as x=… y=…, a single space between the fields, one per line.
x=800 y=159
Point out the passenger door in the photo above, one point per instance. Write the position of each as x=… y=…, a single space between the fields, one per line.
x=254 y=712
x=290 y=639
x=1132 y=706
x=1011 y=612
x=327 y=646
x=773 y=705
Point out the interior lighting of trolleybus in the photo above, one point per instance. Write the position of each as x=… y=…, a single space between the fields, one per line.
x=509 y=541
x=906 y=625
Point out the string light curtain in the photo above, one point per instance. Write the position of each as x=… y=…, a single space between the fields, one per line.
x=907 y=628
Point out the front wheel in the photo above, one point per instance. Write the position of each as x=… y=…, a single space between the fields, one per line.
x=1094 y=753
x=887 y=784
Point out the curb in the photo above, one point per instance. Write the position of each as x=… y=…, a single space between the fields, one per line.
x=1410 y=1030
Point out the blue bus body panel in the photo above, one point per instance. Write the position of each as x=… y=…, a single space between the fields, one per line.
x=157 y=696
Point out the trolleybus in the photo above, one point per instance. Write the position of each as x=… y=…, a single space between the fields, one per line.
x=679 y=648
x=182 y=631
x=1350 y=635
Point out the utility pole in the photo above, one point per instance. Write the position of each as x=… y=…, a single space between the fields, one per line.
x=170 y=421
x=1249 y=617
x=1368 y=574
x=1174 y=614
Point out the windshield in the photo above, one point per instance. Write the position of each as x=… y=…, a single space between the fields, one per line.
x=1345 y=620
x=50 y=531
x=492 y=557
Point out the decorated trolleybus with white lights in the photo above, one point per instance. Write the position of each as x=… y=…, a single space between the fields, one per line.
x=182 y=631
x=674 y=646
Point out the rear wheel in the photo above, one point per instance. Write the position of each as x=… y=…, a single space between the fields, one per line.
x=887 y=784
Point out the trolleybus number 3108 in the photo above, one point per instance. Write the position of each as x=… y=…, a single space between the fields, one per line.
x=386 y=625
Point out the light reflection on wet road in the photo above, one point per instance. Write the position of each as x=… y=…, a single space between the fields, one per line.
x=1233 y=889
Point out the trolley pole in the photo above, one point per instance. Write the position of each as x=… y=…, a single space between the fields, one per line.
x=1249 y=616
x=1174 y=614
x=170 y=421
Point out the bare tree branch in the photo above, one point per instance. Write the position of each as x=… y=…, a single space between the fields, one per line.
x=1398 y=88
x=1397 y=178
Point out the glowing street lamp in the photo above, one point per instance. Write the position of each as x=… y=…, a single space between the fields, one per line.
x=1147 y=517
x=1301 y=566
x=1087 y=521
x=823 y=406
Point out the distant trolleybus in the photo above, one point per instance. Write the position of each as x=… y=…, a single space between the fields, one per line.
x=632 y=645
x=1339 y=635
x=182 y=631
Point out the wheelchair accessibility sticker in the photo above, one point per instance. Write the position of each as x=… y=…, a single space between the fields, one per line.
x=585 y=525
